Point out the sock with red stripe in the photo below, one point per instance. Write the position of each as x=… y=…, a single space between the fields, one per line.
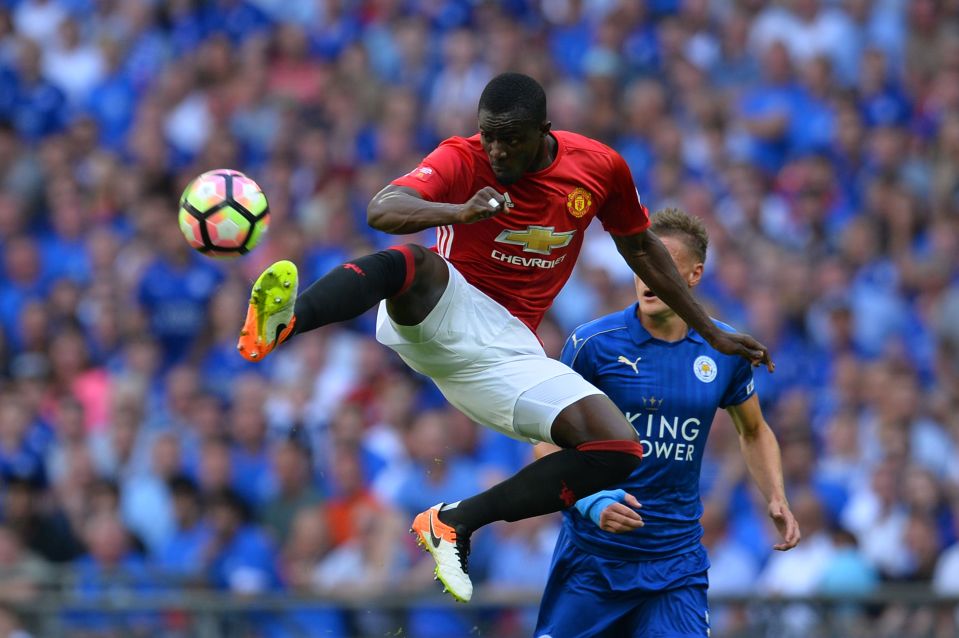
x=550 y=484
x=351 y=289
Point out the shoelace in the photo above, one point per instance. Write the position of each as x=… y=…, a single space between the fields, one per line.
x=463 y=551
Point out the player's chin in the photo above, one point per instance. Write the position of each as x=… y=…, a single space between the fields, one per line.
x=652 y=306
x=506 y=179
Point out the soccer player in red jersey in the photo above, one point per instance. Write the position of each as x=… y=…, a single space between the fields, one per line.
x=510 y=206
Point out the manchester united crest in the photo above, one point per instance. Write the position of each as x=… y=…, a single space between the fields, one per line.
x=579 y=202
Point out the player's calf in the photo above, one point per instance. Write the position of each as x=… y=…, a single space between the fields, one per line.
x=410 y=276
x=356 y=286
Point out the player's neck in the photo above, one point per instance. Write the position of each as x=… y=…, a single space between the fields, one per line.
x=667 y=327
x=547 y=153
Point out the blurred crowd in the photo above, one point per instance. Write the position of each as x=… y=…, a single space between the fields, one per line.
x=818 y=139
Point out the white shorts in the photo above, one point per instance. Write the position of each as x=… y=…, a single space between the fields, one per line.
x=486 y=362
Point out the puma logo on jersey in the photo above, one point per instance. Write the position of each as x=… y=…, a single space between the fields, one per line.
x=631 y=364
x=576 y=341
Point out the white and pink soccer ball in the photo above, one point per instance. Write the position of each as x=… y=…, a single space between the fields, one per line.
x=223 y=214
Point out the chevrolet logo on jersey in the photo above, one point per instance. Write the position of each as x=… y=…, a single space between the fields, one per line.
x=537 y=239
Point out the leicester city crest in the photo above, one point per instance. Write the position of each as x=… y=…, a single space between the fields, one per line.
x=705 y=369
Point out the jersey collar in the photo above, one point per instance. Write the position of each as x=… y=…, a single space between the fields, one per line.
x=639 y=333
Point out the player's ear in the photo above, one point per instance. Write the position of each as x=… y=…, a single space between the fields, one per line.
x=695 y=275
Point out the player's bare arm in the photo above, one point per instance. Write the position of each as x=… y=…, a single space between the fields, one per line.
x=761 y=452
x=400 y=210
x=650 y=260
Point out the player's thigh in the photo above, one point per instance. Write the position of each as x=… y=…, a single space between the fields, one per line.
x=682 y=612
x=575 y=604
x=486 y=362
x=462 y=324
x=518 y=395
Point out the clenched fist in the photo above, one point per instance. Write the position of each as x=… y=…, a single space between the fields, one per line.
x=483 y=205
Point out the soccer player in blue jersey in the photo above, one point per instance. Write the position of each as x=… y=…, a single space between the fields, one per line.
x=615 y=573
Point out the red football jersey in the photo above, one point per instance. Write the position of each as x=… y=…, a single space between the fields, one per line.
x=523 y=256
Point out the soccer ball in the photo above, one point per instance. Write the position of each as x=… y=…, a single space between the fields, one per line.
x=223 y=214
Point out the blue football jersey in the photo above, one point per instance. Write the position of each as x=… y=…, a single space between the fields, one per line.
x=670 y=392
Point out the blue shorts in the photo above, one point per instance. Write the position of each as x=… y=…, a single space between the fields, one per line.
x=588 y=596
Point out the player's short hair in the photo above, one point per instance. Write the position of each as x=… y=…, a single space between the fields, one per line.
x=673 y=222
x=512 y=93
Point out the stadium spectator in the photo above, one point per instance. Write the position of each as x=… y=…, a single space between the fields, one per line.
x=45 y=530
x=799 y=471
x=182 y=552
x=25 y=574
x=239 y=557
x=802 y=570
x=733 y=569
x=110 y=558
x=249 y=456
x=294 y=489
x=308 y=543
x=214 y=471
x=72 y=65
x=145 y=501
x=435 y=472
x=848 y=572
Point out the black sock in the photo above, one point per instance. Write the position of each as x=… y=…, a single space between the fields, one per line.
x=349 y=290
x=551 y=484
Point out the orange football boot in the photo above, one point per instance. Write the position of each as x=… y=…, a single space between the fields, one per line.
x=269 y=317
x=449 y=549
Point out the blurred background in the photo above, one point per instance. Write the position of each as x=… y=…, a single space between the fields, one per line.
x=155 y=484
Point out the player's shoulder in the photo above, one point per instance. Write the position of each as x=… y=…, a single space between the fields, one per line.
x=605 y=327
x=467 y=147
x=583 y=146
x=468 y=144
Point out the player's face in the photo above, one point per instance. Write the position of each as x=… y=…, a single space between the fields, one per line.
x=513 y=144
x=687 y=265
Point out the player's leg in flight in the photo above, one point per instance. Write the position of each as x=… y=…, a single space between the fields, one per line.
x=600 y=449
x=412 y=277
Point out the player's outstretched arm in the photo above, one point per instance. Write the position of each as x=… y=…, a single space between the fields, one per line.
x=400 y=210
x=649 y=259
x=761 y=452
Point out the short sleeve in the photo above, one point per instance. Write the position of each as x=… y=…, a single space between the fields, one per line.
x=622 y=213
x=741 y=386
x=577 y=356
x=445 y=175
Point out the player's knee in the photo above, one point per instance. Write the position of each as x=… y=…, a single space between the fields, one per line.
x=424 y=267
x=592 y=419
x=618 y=459
x=426 y=278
